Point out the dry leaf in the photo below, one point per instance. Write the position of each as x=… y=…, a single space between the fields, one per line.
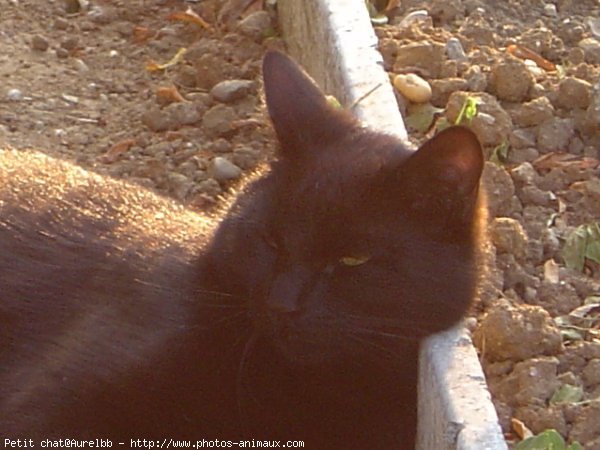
x=189 y=16
x=168 y=94
x=117 y=150
x=551 y=271
x=142 y=34
x=564 y=160
x=520 y=429
x=153 y=66
x=524 y=53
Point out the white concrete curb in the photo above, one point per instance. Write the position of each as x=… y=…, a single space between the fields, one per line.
x=334 y=41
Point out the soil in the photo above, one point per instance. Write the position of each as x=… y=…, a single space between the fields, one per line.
x=103 y=83
x=534 y=70
x=82 y=80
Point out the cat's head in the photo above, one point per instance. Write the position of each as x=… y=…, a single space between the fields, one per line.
x=352 y=241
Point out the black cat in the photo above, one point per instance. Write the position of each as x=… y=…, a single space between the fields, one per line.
x=297 y=317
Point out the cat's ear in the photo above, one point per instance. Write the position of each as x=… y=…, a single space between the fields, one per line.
x=442 y=177
x=301 y=115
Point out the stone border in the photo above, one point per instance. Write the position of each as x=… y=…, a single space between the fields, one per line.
x=334 y=41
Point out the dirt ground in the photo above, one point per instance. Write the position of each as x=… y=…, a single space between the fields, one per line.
x=106 y=83
x=533 y=68
x=88 y=85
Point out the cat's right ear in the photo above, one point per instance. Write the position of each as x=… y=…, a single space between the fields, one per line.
x=301 y=115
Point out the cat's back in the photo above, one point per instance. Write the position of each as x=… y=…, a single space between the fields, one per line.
x=97 y=280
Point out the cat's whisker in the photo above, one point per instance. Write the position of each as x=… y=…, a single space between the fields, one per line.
x=239 y=384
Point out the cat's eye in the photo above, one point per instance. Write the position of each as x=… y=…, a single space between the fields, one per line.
x=353 y=261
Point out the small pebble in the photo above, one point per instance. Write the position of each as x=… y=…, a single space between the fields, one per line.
x=80 y=65
x=594 y=24
x=40 y=43
x=413 y=87
x=413 y=17
x=61 y=23
x=70 y=43
x=14 y=95
x=455 y=50
x=550 y=10
x=256 y=25
x=222 y=169
x=231 y=90
x=62 y=53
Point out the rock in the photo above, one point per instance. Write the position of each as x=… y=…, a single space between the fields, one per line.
x=157 y=120
x=591 y=372
x=445 y=12
x=591 y=48
x=586 y=426
x=520 y=155
x=531 y=382
x=39 y=43
x=576 y=56
x=455 y=50
x=574 y=93
x=522 y=138
x=256 y=26
x=539 y=418
x=426 y=55
x=533 y=113
x=515 y=277
x=443 y=88
x=592 y=115
x=413 y=17
x=524 y=174
x=533 y=195
x=246 y=158
x=510 y=80
x=222 y=169
x=509 y=237
x=476 y=80
x=217 y=120
x=554 y=135
x=556 y=298
x=173 y=117
x=517 y=332
x=477 y=28
x=492 y=124
x=499 y=187
x=550 y=10
x=591 y=195
x=183 y=114
x=14 y=95
x=209 y=187
x=179 y=185
x=231 y=90
x=414 y=88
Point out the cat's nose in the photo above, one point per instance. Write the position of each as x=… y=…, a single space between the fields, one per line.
x=287 y=289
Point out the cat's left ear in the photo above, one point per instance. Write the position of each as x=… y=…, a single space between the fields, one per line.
x=302 y=117
x=442 y=177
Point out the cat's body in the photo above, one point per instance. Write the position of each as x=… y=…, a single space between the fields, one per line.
x=125 y=316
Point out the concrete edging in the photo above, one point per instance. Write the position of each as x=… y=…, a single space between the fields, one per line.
x=334 y=41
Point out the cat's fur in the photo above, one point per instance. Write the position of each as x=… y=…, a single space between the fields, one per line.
x=123 y=315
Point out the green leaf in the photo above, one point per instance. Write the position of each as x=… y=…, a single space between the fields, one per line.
x=567 y=393
x=468 y=111
x=547 y=440
x=570 y=334
x=500 y=154
x=420 y=116
x=575 y=446
x=582 y=243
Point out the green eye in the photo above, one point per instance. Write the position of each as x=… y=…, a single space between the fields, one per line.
x=353 y=261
